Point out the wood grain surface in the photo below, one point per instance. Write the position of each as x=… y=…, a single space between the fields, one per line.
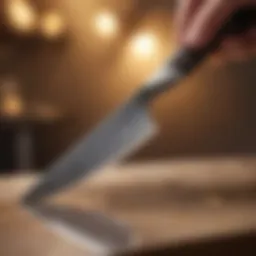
x=162 y=203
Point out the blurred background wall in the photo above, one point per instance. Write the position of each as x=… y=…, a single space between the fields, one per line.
x=111 y=47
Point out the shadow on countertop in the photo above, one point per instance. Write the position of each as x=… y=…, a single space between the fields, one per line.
x=238 y=245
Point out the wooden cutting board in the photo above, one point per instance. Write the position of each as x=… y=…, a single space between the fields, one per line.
x=162 y=202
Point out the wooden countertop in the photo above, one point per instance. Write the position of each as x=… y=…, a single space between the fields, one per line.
x=162 y=202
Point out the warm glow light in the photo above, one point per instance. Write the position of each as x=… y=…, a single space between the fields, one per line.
x=106 y=24
x=11 y=103
x=12 y=106
x=21 y=16
x=144 y=45
x=52 y=25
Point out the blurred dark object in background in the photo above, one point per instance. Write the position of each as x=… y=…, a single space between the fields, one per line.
x=18 y=136
x=25 y=30
x=18 y=119
x=7 y=160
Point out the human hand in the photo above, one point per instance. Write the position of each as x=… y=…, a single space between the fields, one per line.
x=199 y=20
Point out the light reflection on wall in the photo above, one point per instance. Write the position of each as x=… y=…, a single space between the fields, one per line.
x=141 y=55
x=106 y=24
x=144 y=46
x=11 y=103
x=21 y=16
x=52 y=25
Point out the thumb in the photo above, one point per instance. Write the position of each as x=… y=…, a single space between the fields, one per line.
x=185 y=12
x=208 y=20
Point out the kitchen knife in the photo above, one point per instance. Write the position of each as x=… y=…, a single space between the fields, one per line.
x=131 y=126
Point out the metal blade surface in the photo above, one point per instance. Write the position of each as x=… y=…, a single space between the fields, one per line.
x=120 y=134
x=93 y=231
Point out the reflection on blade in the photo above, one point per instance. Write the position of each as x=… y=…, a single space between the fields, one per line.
x=121 y=134
x=91 y=230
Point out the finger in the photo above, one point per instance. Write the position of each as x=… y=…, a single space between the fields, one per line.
x=250 y=40
x=231 y=49
x=217 y=60
x=209 y=19
x=236 y=49
x=251 y=36
x=223 y=57
x=247 y=40
x=186 y=9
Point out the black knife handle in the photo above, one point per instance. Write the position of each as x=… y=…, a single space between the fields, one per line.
x=187 y=59
x=239 y=22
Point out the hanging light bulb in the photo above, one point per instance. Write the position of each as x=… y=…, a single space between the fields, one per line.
x=21 y=16
x=11 y=102
x=106 y=24
x=143 y=45
x=52 y=25
x=12 y=106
